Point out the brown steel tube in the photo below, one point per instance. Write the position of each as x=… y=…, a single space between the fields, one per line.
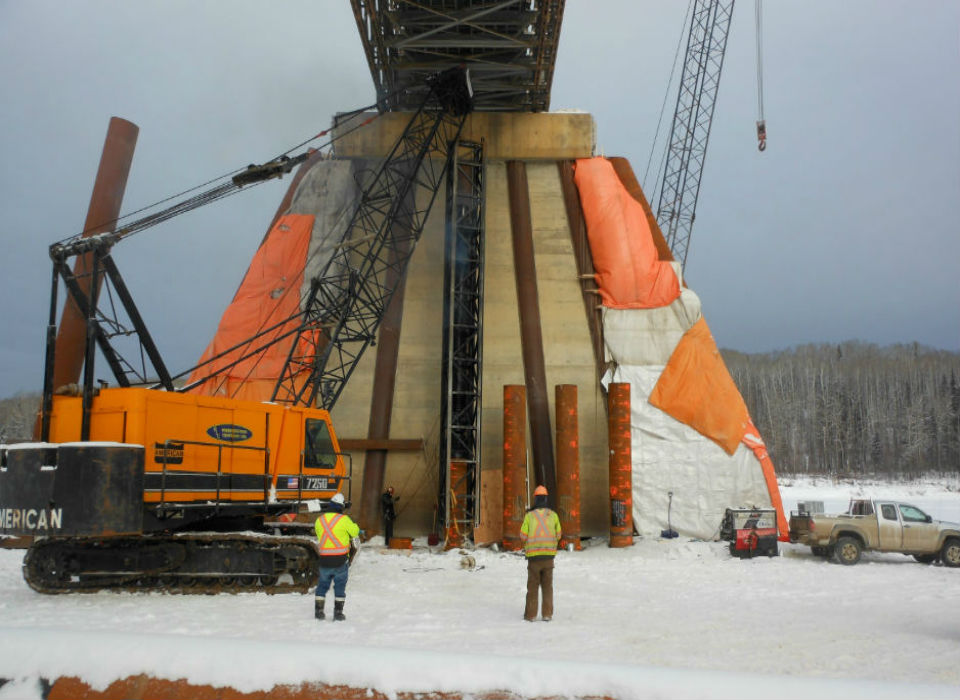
x=531 y=336
x=621 y=166
x=381 y=400
x=457 y=493
x=514 y=463
x=102 y=214
x=568 y=465
x=584 y=260
x=621 y=492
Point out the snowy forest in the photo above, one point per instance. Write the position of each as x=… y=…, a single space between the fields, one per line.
x=855 y=410
x=851 y=410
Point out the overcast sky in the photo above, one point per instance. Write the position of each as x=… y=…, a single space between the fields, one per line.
x=845 y=228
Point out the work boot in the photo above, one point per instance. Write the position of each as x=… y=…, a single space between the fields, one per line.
x=318 y=609
x=338 y=610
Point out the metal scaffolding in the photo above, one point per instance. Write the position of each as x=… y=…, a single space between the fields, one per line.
x=462 y=339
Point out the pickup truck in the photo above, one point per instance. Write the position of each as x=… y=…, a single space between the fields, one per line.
x=882 y=526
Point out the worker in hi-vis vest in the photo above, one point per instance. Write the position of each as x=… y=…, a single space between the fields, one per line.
x=337 y=534
x=540 y=534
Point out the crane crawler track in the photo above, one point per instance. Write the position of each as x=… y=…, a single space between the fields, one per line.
x=194 y=563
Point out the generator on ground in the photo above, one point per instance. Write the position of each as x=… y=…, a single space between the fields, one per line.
x=751 y=532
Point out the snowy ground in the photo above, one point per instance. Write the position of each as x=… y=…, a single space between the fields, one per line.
x=664 y=619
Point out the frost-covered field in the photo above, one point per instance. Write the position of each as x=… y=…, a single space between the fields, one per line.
x=664 y=618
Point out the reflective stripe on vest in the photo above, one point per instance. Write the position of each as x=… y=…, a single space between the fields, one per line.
x=330 y=544
x=543 y=540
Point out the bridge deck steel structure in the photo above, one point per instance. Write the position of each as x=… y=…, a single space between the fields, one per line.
x=509 y=47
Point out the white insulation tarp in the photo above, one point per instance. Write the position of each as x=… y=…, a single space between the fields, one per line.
x=670 y=457
x=649 y=336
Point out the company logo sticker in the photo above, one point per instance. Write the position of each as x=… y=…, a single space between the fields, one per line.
x=229 y=433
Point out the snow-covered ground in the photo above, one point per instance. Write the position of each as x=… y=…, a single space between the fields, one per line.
x=664 y=619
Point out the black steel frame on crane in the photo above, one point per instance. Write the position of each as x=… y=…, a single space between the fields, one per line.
x=509 y=46
x=104 y=322
x=348 y=299
x=696 y=99
x=462 y=374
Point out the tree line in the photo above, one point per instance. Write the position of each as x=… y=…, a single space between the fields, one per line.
x=850 y=410
x=855 y=409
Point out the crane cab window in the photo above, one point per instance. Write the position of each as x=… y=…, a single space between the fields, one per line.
x=889 y=511
x=318 y=447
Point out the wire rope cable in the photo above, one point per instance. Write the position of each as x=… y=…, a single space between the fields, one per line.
x=761 y=121
x=219 y=191
x=759 y=17
x=666 y=95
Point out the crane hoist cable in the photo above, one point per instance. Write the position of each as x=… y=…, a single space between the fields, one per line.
x=239 y=178
x=663 y=106
x=761 y=122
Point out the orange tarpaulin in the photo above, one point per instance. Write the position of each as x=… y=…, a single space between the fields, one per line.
x=268 y=295
x=629 y=272
x=696 y=389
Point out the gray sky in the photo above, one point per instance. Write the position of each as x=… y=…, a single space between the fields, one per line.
x=845 y=228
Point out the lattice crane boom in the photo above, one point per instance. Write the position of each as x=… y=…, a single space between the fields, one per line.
x=696 y=99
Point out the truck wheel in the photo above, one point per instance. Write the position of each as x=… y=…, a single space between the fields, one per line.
x=847 y=551
x=926 y=558
x=950 y=554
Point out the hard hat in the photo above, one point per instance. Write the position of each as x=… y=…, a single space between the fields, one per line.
x=337 y=498
x=540 y=491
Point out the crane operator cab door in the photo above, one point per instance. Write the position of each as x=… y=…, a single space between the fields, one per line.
x=317 y=469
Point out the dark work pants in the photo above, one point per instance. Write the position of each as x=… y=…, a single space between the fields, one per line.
x=539 y=578
x=335 y=575
x=387 y=531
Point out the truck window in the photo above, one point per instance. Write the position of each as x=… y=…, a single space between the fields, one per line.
x=911 y=514
x=318 y=448
x=889 y=511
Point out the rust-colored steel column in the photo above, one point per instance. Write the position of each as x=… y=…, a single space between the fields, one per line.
x=381 y=399
x=531 y=336
x=458 y=504
x=568 y=465
x=621 y=492
x=584 y=260
x=514 y=463
x=102 y=215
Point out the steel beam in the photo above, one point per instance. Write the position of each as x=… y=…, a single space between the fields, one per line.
x=531 y=335
x=102 y=214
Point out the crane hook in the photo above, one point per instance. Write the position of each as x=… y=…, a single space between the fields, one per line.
x=762 y=135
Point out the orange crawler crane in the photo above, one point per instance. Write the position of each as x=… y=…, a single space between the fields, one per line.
x=171 y=491
x=152 y=484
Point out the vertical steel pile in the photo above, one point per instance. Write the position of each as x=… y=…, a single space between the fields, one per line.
x=621 y=498
x=568 y=465
x=514 y=463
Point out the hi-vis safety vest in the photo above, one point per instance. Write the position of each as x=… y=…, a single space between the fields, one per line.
x=335 y=531
x=540 y=532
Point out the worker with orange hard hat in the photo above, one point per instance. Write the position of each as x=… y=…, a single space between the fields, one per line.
x=540 y=534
